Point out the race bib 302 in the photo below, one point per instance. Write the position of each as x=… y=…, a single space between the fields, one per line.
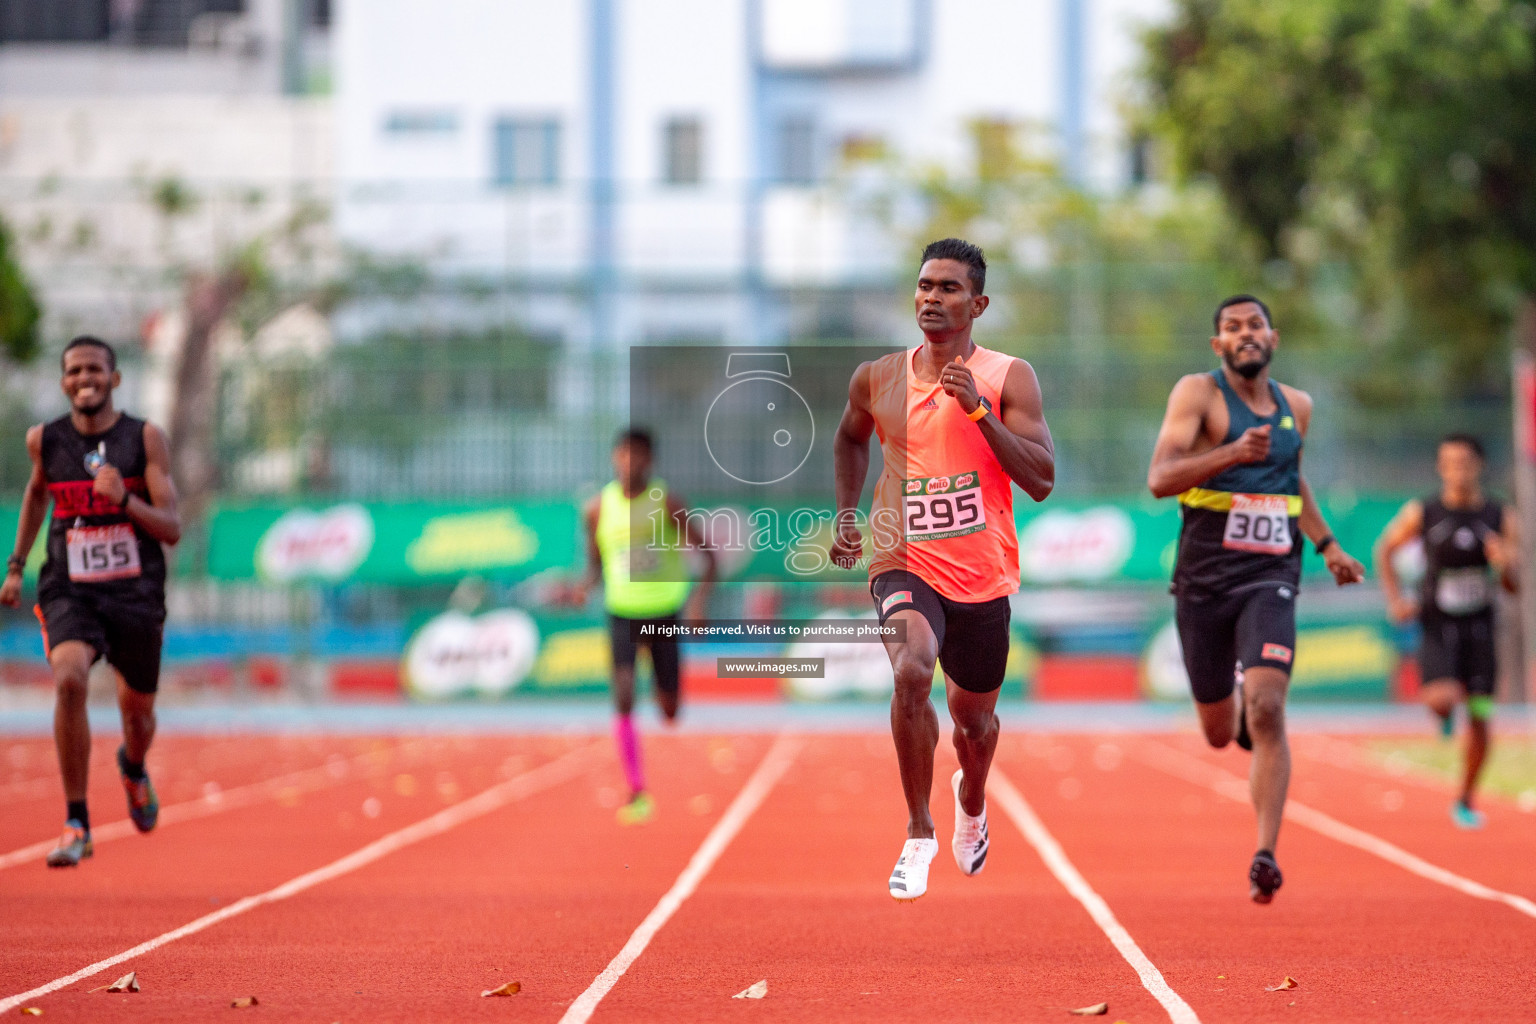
x=1260 y=523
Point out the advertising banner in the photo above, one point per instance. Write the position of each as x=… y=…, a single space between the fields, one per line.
x=1063 y=542
x=395 y=544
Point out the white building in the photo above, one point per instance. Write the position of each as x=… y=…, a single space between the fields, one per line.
x=113 y=112
x=636 y=170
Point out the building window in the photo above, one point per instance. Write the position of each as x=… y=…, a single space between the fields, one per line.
x=683 y=151
x=526 y=152
x=421 y=122
x=796 y=151
x=53 y=21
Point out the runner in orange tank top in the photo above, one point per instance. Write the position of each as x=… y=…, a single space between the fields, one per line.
x=958 y=426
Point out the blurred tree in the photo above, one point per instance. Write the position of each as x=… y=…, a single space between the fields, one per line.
x=235 y=284
x=19 y=313
x=1399 y=135
x=1075 y=270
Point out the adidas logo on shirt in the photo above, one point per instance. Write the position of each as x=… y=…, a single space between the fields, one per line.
x=930 y=404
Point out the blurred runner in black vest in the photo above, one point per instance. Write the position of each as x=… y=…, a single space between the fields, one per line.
x=1230 y=448
x=1467 y=538
x=101 y=592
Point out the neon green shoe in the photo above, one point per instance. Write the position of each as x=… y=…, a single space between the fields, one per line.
x=638 y=811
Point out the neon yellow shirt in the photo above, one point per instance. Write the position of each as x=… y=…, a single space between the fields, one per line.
x=640 y=581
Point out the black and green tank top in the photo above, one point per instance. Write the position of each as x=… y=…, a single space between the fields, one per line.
x=1457 y=578
x=1240 y=526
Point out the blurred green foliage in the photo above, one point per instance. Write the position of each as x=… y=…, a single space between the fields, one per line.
x=1074 y=272
x=1394 y=138
x=19 y=312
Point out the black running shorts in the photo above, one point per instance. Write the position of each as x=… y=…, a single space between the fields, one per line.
x=1460 y=648
x=973 y=637
x=129 y=638
x=626 y=636
x=1252 y=627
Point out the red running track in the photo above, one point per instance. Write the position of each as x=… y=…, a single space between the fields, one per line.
x=535 y=882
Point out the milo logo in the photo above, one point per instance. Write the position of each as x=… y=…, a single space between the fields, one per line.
x=965 y=480
x=938 y=485
x=914 y=486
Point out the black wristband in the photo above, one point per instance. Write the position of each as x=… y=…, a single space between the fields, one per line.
x=1322 y=545
x=16 y=563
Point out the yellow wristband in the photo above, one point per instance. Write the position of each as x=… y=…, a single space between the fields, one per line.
x=977 y=413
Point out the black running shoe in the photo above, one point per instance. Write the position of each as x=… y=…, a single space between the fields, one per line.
x=143 y=804
x=1264 y=877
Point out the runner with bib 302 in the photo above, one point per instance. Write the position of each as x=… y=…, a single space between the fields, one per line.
x=1230 y=448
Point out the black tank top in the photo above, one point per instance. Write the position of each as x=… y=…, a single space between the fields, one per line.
x=1457 y=581
x=1240 y=526
x=93 y=547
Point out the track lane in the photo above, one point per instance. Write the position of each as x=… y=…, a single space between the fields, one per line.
x=543 y=892
x=1367 y=941
x=800 y=899
x=56 y=920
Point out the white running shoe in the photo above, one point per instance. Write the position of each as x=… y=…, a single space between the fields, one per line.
x=970 y=842
x=909 y=879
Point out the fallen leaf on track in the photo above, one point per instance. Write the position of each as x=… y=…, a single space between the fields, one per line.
x=1221 y=977
x=1097 y=1009
x=31 y=1011
x=1285 y=986
x=756 y=991
x=244 y=1002
x=127 y=983
x=511 y=988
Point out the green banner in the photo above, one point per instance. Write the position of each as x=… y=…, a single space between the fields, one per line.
x=1114 y=541
x=405 y=543
x=1136 y=539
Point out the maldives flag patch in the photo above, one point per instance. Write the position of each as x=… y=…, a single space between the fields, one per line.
x=1276 y=652
x=900 y=597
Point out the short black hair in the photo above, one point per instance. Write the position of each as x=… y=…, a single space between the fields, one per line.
x=639 y=437
x=1238 y=300
x=1458 y=437
x=89 y=339
x=961 y=251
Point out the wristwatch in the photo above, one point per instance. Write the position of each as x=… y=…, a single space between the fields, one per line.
x=982 y=408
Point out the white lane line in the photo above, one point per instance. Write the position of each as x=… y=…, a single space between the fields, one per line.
x=1201 y=773
x=1045 y=844
x=555 y=772
x=769 y=771
x=304 y=779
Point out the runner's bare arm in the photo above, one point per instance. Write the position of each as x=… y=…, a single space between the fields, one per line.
x=34 y=508
x=593 y=575
x=1177 y=465
x=1504 y=552
x=1403 y=528
x=1018 y=434
x=850 y=467
x=157 y=516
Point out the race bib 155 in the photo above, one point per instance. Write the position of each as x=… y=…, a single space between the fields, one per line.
x=101 y=553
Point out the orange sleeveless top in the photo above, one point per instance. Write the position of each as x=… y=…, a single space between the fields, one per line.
x=943 y=507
